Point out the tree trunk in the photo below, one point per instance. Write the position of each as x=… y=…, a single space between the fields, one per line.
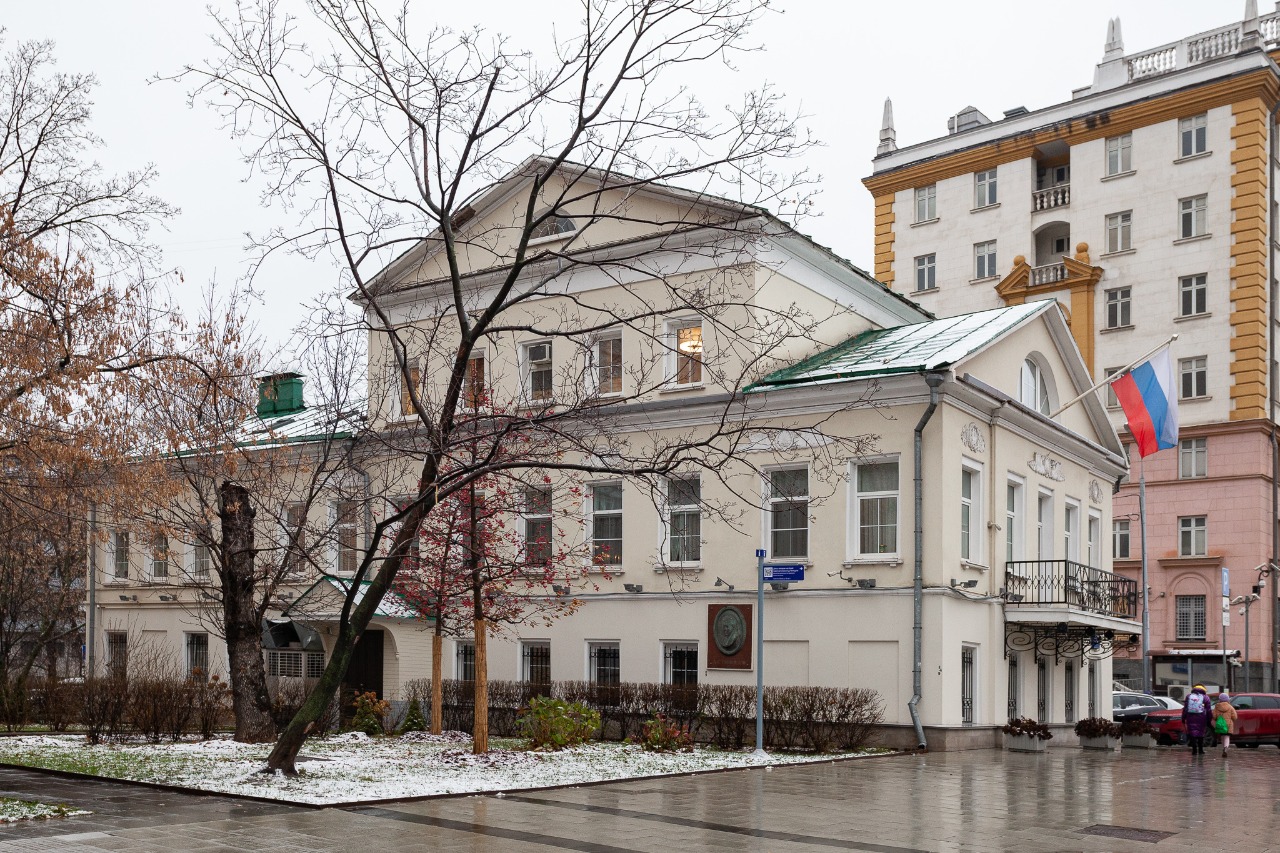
x=437 y=685
x=250 y=701
x=480 y=743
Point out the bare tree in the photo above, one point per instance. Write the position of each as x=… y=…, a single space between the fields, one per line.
x=495 y=184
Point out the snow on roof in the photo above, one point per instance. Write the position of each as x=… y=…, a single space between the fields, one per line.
x=916 y=348
x=323 y=601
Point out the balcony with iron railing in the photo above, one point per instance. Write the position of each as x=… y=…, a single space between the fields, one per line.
x=1072 y=585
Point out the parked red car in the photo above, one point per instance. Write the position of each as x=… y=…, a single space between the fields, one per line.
x=1258 y=721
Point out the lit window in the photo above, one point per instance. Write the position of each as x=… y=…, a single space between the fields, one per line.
x=537 y=370
x=1190 y=617
x=1193 y=375
x=1120 y=538
x=926 y=203
x=984 y=188
x=606 y=524
x=1193 y=295
x=1193 y=458
x=1118 y=308
x=1119 y=154
x=1193 y=135
x=984 y=259
x=1120 y=231
x=687 y=367
x=684 y=520
x=1193 y=216
x=875 y=506
x=926 y=272
x=789 y=513
x=1193 y=536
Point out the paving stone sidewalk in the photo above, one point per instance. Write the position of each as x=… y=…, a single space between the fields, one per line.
x=1163 y=801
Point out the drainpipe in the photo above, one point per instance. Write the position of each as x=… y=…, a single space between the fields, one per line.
x=1271 y=396
x=917 y=627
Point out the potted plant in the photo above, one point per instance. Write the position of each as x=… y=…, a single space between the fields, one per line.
x=1136 y=734
x=1023 y=734
x=1098 y=733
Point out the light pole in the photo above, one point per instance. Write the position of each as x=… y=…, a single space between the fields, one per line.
x=1247 y=601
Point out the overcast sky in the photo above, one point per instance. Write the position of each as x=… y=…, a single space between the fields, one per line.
x=838 y=59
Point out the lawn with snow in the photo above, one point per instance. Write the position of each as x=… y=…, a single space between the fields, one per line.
x=353 y=767
x=12 y=811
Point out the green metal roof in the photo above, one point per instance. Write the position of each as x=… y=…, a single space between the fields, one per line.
x=916 y=348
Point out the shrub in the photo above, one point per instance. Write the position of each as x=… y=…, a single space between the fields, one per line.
x=1027 y=726
x=211 y=700
x=1134 y=726
x=1097 y=727
x=662 y=734
x=370 y=710
x=102 y=707
x=414 y=719
x=555 y=724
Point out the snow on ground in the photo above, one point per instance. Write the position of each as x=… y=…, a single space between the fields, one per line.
x=12 y=811
x=354 y=767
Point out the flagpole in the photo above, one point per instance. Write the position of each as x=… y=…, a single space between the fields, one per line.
x=1108 y=380
x=1146 y=590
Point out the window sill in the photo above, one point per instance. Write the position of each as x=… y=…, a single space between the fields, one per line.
x=977 y=567
x=985 y=280
x=924 y=222
x=1118 y=175
x=991 y=206
x=611 y=571
x=551 y=238
x=676 y=389
x=1125 y=328
x=673 y=568
x=891 y=560
x=1188 y=317
x=919 y=292
x=1117 y=253
x=1193 y=239
x=1203 y=399
x=1191 y=157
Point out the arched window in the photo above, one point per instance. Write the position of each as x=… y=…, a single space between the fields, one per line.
x=1035 y=387
x=552 y=226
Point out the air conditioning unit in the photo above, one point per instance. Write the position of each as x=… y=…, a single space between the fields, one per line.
x=539 y=352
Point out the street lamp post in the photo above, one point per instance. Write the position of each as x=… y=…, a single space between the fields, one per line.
x=1247 y=602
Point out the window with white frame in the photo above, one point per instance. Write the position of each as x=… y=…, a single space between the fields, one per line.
x=606 y=365
x=1095 y=540
x=984 y=188
x=1033 y=387
x=926 y=272
x=1193 y=377
x=927 y=203
x=1193 y=295
x=160 y=558
x=1120 y=231
x=409 y=381
x=970 y=514
x=1044 y=526
x=684 y=520
x=789 y=513
x=1071 y=532
x=604 y=664
x=464 y=660
x=1119 y=154
x=680 y=664
x=1193 y=458
x=475 y=390
x=1113 y=402
x=552 y=226
x=536 y=358
x=1014 y=509
x=346 y=525
x=1120 y=539
x=294 y=663
x=1190 y=617
x=984 y=259
x=1193 y=135
x=120 y=553
x=1119 y=308
x=684 y=360
x=606 y=524
x=197 y=655
x=875 y=508
x=537 y=526
x=535 y=662
x=201 y=562
x=1193 y=216
x=1193 y=536
x=295 y=536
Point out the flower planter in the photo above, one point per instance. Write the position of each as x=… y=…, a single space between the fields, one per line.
x=1103 y=743
x=1025 y=743
x=1138 y=742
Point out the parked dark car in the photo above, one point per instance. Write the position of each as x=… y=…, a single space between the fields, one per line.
x=1258 y=721
x=1133 y=706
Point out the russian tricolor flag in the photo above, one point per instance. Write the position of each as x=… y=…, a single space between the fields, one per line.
x=1150 y=402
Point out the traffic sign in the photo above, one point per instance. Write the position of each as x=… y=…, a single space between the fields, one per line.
x=783 y=572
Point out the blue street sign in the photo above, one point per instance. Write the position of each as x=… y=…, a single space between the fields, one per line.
x=760 y=552
x=1226 y=583
x=783 y=573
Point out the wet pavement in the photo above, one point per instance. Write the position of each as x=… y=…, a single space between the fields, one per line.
x=1066 y=800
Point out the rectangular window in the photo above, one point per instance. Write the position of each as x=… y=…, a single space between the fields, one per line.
x=1193 y=214
x=1193 y=536
x=1193 y=377
x=409 y=379
x=1113 y=402
x=607 y=355
x=117 y=654
x=1120 y=154
x=680 y=664
x=604 y=664
x=198 y=656
x=984 y=259
x=968 y=682
x=1190 y=622
x=537 y=526
x=464 y=660
x=926 y=272
x=1118 y=308
x=475 y=392
x=789 y=513
x=160 y=558
x=1069 y=690
x=1193 y=458
x=537 y=371
x=1193 y=135
x=295 y=520
x=927 y=203
x=1015 y=687
x=315 y=664
x=875 y=505
x=688 y=354
x=1044 y=526
x=970 y=514
x=1013 y=525
x=984 y=188
x=346 y=526
x=1193 y=295
x=1071 y=532
x=684 y=520
x=1120 y=539
x=120 y=553
x=201 y=562
x=536 y=659
x=1120 y=231
x=283 y=663
x=606 y=524
x=1095 y=541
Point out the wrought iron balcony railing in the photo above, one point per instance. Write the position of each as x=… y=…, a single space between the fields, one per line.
x=1064 y=583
